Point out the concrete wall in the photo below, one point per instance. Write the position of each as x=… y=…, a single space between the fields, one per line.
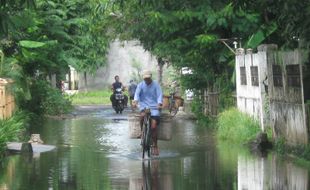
x=287 y=109
x=278 y=99
x=251 y=97
x=7 y=100
x=120 y=59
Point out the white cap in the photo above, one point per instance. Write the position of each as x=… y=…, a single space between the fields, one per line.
x=147 y=74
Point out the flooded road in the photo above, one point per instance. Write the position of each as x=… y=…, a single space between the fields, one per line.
x=94 y=152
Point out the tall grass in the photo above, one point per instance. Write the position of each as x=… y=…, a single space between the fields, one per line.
x=11 y=128
x=93 y=97
x=237 y=127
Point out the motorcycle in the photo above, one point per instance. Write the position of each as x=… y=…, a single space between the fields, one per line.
x=119 y=101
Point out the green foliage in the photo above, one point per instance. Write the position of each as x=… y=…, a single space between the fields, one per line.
x=20 y=89
x=136 y=75
x=30 y=44
x=8 y=9
x=197 y=109
x=237 y=127
x=34 y=94
x=42 y=38
x=258 y=37
x=226 y=100
x=280 y=146
x=11 y=128
x=187 y=33
x=47 y=100
x=300 y=151
x=55 y=103
x=269 y=132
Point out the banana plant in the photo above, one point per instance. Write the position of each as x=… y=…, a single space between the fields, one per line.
x=262 y=33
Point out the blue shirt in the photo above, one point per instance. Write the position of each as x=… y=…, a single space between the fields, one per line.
x=149 y=96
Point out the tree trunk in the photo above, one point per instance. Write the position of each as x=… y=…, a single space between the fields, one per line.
x=206 y=103
x=161 y=63
x=69 y=80
x=58 y=81
x=85 y=79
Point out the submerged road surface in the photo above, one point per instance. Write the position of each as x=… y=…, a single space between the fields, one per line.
x=94 y=152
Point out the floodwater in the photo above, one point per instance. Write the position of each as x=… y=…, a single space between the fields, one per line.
x=94 y=152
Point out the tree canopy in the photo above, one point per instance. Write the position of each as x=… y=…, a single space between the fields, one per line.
x=45 y=36
x=188 y=33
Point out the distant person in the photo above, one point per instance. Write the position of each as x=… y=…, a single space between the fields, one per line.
x=117 y=84
x=149 y=95
x=131 y=90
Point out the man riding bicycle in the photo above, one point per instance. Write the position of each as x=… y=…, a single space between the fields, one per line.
x=149 y=95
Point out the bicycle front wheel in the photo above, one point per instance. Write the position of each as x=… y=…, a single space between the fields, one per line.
x=146 y=139
x=143 y=140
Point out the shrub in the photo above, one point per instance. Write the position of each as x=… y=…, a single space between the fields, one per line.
x=302 y=152
x=197 y=109
x=47 y=100
x=11 y=128
x=55 y=103
x=236 y=126
x=280 y=146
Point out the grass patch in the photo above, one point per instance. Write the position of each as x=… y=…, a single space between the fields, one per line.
x=92 y=98
x=237 y=127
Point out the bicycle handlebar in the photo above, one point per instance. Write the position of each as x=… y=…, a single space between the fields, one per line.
x=151 y=107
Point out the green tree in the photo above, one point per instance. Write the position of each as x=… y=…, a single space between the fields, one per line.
x=44 y=37
x=188 y=33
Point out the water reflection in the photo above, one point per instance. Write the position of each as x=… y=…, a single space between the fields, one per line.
x=151 y=178
x=270 y=173
x=75 y=164
x=95 y=153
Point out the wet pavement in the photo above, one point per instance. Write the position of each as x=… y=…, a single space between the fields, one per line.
x=93 y=151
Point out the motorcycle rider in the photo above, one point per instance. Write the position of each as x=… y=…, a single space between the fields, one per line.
x=117 y=84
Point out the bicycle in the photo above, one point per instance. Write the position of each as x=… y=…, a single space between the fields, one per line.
x=146 y=136
x=173 y=107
